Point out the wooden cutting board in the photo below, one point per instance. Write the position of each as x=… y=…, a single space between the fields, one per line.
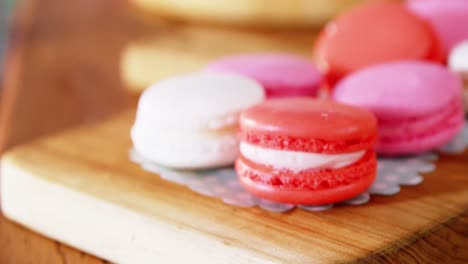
x=62 y=50
x=79 y=187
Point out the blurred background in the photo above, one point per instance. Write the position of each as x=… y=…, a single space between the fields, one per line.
x=6 y=9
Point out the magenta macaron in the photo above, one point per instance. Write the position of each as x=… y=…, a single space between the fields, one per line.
x=418 y=104
x=449 y=19
x=281 y=75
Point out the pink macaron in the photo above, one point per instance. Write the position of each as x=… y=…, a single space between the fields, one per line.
x=418 y=104
x=281 y=75
x=449 y=18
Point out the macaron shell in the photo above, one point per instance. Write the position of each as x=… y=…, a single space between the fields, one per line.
x=400 y=90
x=438 y=53
x=280 y=74
x=418 y=104
x=191 y=121
x=373 y=34
x=401 y=128
x=193 y=101
x=449 y=18
x=305 y=124
x=185 y=150
x=314 y=187
x=434 y=136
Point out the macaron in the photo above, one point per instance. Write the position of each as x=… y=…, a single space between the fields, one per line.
x=449 y=18
x=300 y=150
x=417 y=104
x=458 y=63
x=281 y=75
x=191 y=121
x=372 y=34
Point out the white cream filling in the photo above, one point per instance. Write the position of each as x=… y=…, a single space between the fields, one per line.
x=298 y=160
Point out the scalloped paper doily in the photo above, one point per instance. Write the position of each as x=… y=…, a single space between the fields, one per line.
x=224 y=184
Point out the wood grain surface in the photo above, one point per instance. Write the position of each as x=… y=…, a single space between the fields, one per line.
x=426 y=223
x=62 y=69
x=62 y=50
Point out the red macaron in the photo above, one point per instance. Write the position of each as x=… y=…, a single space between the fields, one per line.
x=307 y=151
x=372 y=34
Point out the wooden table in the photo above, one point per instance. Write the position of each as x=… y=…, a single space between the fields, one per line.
x=56 y=55
x=63 y=49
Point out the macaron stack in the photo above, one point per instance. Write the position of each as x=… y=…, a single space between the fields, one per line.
x=307 y=151
x=390 y=94
x=418 y=104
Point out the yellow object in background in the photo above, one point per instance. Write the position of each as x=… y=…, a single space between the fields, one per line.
x=184 y=49
x=258 y=13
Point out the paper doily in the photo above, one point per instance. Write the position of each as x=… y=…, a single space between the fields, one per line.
x=224 y=184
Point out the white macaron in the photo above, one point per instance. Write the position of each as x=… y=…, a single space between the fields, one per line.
x=458 y=63
x=191 y=121
x=458 y=59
